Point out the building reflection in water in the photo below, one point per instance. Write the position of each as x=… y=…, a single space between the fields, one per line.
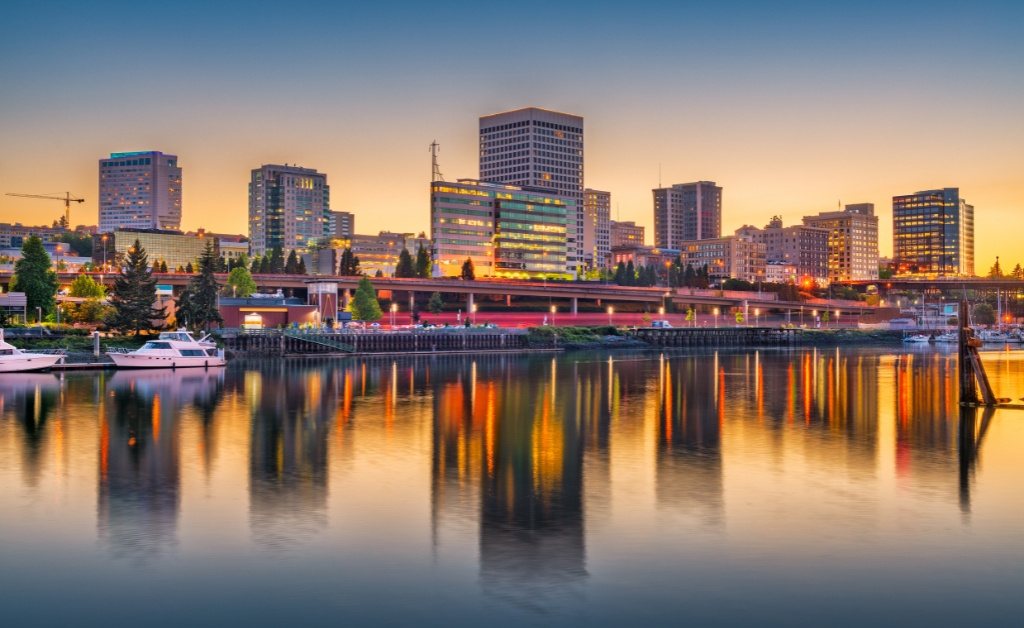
x=139 y=492
x=291 y=411
x=513 y=427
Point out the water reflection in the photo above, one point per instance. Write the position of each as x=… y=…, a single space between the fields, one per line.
x=30 y=399
x=139 y=495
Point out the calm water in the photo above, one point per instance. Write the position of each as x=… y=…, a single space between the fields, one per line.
x=770 y=488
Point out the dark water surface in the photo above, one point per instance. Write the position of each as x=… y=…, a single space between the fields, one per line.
x=770 y=488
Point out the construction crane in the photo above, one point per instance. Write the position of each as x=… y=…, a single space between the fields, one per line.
x=67 y=198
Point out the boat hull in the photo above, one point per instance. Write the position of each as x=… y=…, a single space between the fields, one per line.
x=28 y=362
x=133 y=361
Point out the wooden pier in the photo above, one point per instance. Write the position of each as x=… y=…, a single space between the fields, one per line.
x=718 y=336
x=287 y=342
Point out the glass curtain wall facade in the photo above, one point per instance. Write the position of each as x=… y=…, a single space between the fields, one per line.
x=506 y=230
x=289 y=207
x=933 y=234
x=173 y=248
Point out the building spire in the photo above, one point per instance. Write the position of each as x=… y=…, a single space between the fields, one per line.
x=436 y=174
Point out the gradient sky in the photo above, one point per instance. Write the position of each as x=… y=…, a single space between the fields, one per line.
x=790 y=106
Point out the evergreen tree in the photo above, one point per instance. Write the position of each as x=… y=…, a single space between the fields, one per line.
x=364 y=305
x=630 y=275
x=436 y=304
x=240 y=282
x=163 y=266
x=179 y=269
x=256 y=263
x=404 y=269
x=1018 y=272
x=277 y=260
x=468 y=272
x=423 y=263
x=620 y=274
x=222 y=265
x=34 y=277
x=349 y=264
x=199 y=308
x=379 y=273
x=134 y=294
x=83 y=287
x=189 y=269
x=291 y=267
x=302 y=267
x=265 y=265
x=996 y=271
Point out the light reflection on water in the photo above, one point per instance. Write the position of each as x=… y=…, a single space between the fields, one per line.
x=770 y=487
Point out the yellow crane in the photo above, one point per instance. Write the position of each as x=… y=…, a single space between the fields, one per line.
x=67 y=198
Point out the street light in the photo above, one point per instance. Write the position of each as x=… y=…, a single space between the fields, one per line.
x=610 y=312
x=757 y=317
x=661 y=311
x=394 y=308
x=474 y=313
x=716 y=318
x=104 y=256
x=553 y=310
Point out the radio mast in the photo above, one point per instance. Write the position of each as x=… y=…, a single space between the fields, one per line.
x=436 y=174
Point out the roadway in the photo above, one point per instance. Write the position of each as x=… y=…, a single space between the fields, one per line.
x=938 y=283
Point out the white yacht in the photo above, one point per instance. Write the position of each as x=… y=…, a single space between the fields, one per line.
x=992 y=336
x=915 y=338
x=173 y=349
x=14 y=360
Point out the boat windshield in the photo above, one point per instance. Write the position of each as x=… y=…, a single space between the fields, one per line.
x=156 y=345
x=175 y=335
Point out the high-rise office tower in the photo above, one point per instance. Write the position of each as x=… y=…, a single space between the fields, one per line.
x=140 y=190
x=289 y=207
x=852 y=241
x=597 y=208
x=342 y=225
x=933 y=234
x=687 y=212
x=538 y=148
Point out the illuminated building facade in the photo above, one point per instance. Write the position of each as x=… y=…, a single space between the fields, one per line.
x=541 y=149
x=172 y=247
x=341 y=225
x=14 y=236
x=623 y=233
x=933 y=234
x=799 y=246
x=597 y=207
x=506 y=230
x=686 y=212
x=852 y=241
x=140 y=190
x=731 y=257
x=289 y=207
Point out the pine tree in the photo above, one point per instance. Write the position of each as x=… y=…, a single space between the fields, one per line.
x=630 y=275
x=364 y=305
x=468 y=272
x=436 y=304
x=996 y=271
x=199 y=308
x=134 y=294
x=620 y=274
x=256 y=263
x=189 y=269
x=179 y=269
x=422 y=263
x=163 y=266
x=34 y=277
x=277 y=260
x=265 y=265
x=1017 y=272
x=291 y=267
x=222 y=265
x=404 y=269
x=302 y=267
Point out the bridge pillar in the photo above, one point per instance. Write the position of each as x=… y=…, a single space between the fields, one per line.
x=746 y=316
x=575 y=305
x=412 y=301
x=469 y=303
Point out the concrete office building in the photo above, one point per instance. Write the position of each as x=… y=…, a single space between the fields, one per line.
x=687 y=212
x=625 y=233
x=852 y=241
x=289 y=207
x=507 y=230
x=13 y=236
x=140 y=190
x=805 y=248
x=173 y=248
x=933 y=234
x=341 y=225
x=540 y=149
x=731 y=257
x=597 y=207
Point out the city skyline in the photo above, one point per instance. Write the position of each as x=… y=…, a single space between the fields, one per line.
x=805 y=108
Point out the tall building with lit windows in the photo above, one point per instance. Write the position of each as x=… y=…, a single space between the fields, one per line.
x=852 y=241
x=289 y=207
x=513 y=231
x=597 y=209
x=686 y=212
x=140 y=190
x=933 y=234
x=541 y=149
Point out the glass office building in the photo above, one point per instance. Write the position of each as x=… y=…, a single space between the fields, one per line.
x=171 y=247
x=289 y=207
x=506 y=230
x=933 y=234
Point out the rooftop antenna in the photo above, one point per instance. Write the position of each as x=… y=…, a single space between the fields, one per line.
x=659 y=175
x=436 y=174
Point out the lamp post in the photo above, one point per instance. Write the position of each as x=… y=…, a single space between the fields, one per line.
x=610 y=312
x=104 y=256
x=394 y=309
x=716 y=318
x=474 y=313
x=553 y=310
x=757 y=317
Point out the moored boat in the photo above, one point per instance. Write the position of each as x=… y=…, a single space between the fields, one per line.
x=14 y=360
x=174 y=349
x=915 y=338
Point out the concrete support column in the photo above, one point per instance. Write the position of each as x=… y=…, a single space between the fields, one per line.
x=599 y=303
x=412 y=301
x=508 y=300
x=575 y=305
x=746 y=314
x=469 y=303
